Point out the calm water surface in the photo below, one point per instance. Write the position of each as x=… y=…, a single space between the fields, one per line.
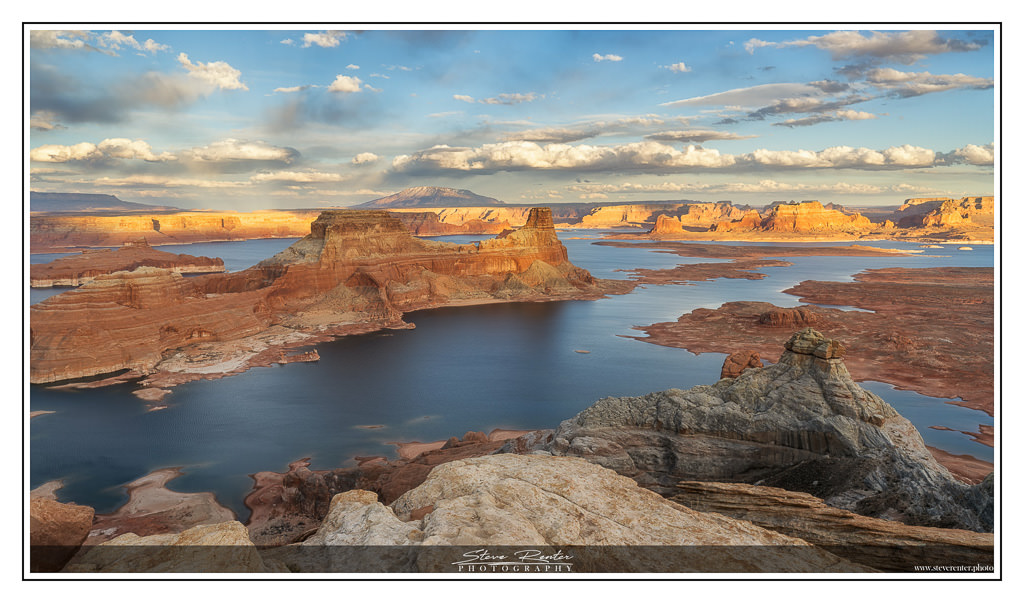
x=471 y=368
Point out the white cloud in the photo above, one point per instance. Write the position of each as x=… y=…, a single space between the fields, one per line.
x=55 y=38
x=325 y=39
x=678 y=67
x=365 y=158
x=345 y=84
x=289 y=176
x=111 y=148
x=218 y=73
x=606 y=57
x=236 y=150
x=351 y=66
x=907 y=84
x=123 y=148
x=841 y=115
x=291 y=89
x=464 y=98
x=655 y=157
x=906 y=46
x=57 y=153
x=519 y=155
x=976 y=155
x=114 y=40
x=288 y=42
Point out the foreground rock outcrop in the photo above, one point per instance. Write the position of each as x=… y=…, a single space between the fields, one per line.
x=542 y=501
x=356 y=271
x=877 y=543
x=801 y=424
x=75 y=270
x=56 y=531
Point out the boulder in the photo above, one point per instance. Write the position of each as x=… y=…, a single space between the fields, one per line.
x=56 y=531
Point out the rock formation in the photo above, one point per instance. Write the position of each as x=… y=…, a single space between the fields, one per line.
x=286 y=505
x=72 y=271
x=877 y=543
x=542 y=501
x=801 y=424
x=944 y=212
x=56 y=531
x=58 y=232
x=809 y=217
x=355 y=271
x=737 y=362
x=207 y=549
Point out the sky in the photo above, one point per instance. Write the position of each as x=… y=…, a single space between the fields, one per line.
x=320 y=117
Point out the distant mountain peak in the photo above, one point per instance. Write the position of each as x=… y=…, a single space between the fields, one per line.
x=432 y=196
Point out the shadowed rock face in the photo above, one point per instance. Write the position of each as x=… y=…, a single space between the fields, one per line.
x=802 y=424
x=359 y=268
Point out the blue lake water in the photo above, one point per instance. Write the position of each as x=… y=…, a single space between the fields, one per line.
x=471 y=368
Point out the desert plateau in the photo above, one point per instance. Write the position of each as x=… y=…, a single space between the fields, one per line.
x=714 y=306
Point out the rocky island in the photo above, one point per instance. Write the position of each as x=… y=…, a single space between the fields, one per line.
x=356 y=271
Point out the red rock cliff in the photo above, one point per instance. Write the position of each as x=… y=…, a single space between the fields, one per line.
x=354 y=268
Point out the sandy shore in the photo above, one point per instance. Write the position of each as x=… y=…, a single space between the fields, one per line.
x=152 y=508
x=39 y=413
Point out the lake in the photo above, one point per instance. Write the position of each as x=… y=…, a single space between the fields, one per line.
x=474 y=368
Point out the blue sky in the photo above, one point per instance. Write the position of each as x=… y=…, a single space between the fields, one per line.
x=245 y=119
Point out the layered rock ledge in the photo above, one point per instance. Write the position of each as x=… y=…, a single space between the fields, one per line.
x=72 y=271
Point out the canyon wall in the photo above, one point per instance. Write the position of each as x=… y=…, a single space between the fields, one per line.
x=58 y=232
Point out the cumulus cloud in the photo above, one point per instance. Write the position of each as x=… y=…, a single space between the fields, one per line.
x=56 y=38
x=114 y=40
x=972 y=154
x=324 y=39
x=240 y=150
x=905 y=47
x=110 y=148
x=303 y=177
x=525 y=155
x=695 y=136
x=345 y=84
x=654 y=157
x=905 y=156
x=217 y=73
x=606 y=57
x=907 y=84
x=678 y=67
x=365 y=158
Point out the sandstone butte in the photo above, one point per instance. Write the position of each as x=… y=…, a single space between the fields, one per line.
x=932 y=220
x=355 y=271
x=938 y=219
x=75 y=270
